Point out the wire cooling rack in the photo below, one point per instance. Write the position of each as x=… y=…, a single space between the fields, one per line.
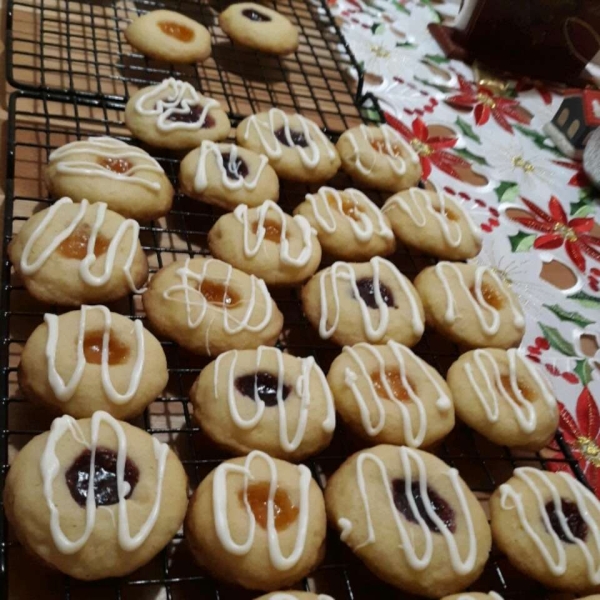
x=80 y=46
x=40 y=122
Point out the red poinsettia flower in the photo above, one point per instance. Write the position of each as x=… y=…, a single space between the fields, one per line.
x=579 y=179
x=431 y=149
x=486 y=104
x=558 y=229
x=582 y=435
x=524 y=84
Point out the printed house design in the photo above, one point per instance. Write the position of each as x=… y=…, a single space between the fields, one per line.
x=577 y=117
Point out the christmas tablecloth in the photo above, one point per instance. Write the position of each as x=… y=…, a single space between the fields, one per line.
x=481 y=139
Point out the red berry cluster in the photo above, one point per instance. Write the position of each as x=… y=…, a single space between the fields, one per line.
x=534 y=353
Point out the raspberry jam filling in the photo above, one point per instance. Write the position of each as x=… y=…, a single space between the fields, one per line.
x=258 y=498
x=262 y=385
x=105 y=477
x=192 y=115
x=255 y=15
x=441 y=508
x=297 y=137
x=366 y=289
x=235 y=169
x=76 y=245
x=575 y=523
x=176 y=30
x=92 y=349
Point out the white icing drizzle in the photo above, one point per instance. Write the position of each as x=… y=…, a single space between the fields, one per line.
x=408 y=537
x=301 y=387
x=88 y=262
x=480 y=306
x=494 y=391
x=554 y=554
x=106 y=147
x=420 y=208
x=193 y=297
x=351 y=379
x=390 y=138
x=273 y=148
x=342 y=271
x=180 y=98
x=50 y=468
x=245 y=216
x=201 y=178
x=64 y=391
x=363 y=228
x=280 y=562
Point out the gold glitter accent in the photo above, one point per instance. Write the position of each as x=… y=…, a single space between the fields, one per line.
x=486 y=100
x=566 y=232
x=379 y=51
x=421 y=147
x=521 y=163
x=590 y=450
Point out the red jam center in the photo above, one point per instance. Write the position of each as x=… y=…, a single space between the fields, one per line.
x=575 y=523
x=258 y=495
x=116 y=165
x=176 y=30
x=75 y=246
x=262 y=385
x=92 y=349
x=366 y=289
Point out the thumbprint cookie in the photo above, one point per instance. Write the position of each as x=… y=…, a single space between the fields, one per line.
x=363 y=302
x=410 y=518
x=95 y=498
x=471 y=305
x=92 y=359
x=504 y=396
x=265 y=400
x=268 y=243
x=257 y=522
x=349 y=225
x=104 y=169
x=72 y=254
x=295 y=146
x=378 y=157
x=227 y=175
x=548 y=524
x=260 y=28
x=208 y=307
x=388 y=395
x=172 y=114
x=433 y=223
x=169 y=36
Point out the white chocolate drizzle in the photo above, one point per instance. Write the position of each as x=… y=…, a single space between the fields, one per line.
x=64 y=391
x=50 y=468
x=278 y=560
x=364 y=227
x=390 y=138
x=246 y=217
x=193 y=297
x=301 y=386
x=343 y=271
x=179 y=100
x=351 y=379
x=479 y=304
x=545 y=491
x=409 y=540
x=273 y=148
x=88 y=262
x=109 y=148
x=201 y=177
x=420 y=210
x=494 y=391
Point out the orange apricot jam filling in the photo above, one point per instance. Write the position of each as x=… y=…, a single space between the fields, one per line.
x=394 y=381
x=92 y=349
x=75 y=246
x=272 y=230
x=258 y=497
x=116 y=165
x=218 y=294
x=176 y=30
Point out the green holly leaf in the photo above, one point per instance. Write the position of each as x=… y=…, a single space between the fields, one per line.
x=405 y=45
x=441 y=88
x=556 y=340
x=438 y=59
x=539 y=139
x=377 y=28
x=585 y=205
x=521 y=242
x=399 y=6
x=571 y=317
x=507 y=191
x=469 y=156
x=370 y=114
x=583 y=371
x=467 y=130
x=586 y=300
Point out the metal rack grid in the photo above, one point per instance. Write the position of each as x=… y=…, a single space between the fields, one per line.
x=80 y=47
x=38 y=123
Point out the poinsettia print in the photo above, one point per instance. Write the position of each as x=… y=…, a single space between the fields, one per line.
x=557 y=229
x=485 y=105
x=582 y=434
x=432 y=150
